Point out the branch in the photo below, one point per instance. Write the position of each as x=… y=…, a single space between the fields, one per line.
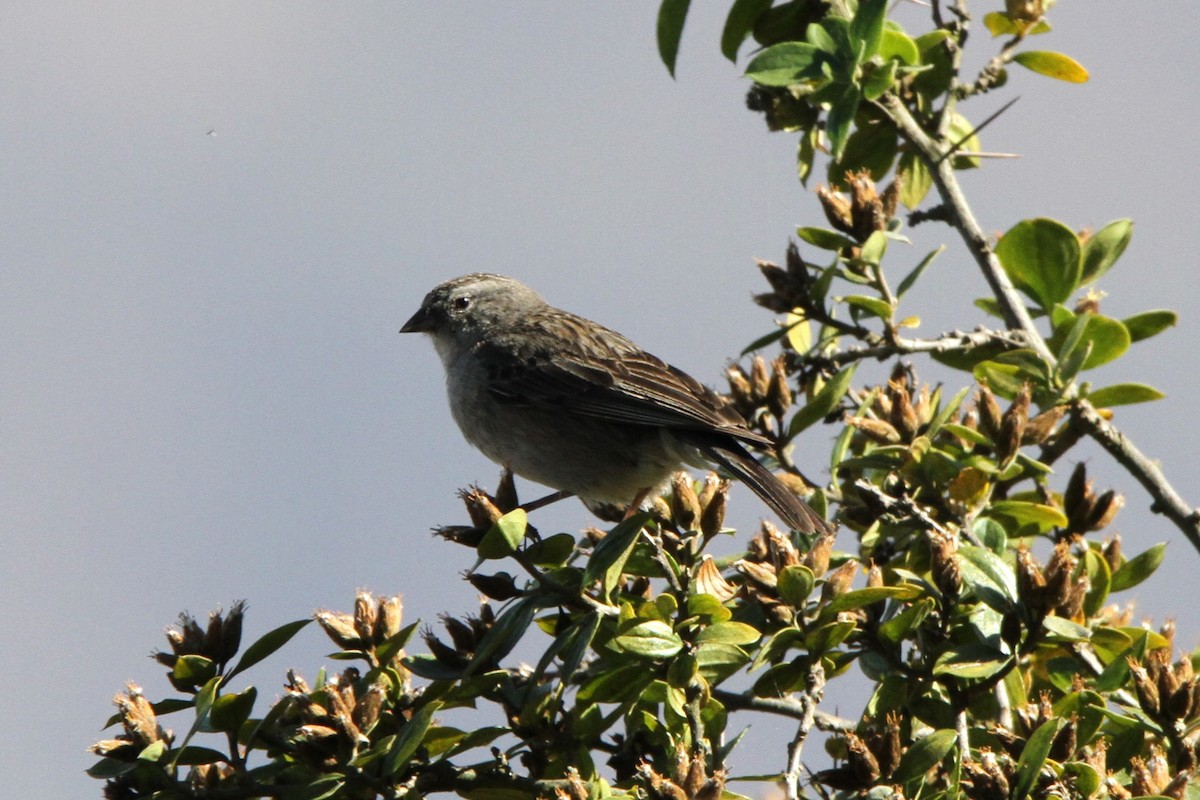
x=809 y=698
x=784 y=707
x=954 y=341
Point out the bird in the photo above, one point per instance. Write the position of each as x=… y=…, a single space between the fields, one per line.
x=572 y=405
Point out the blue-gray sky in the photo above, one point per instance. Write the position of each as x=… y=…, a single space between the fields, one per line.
x=216 y=216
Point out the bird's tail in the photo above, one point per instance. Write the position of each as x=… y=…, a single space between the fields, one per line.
x=794 y=512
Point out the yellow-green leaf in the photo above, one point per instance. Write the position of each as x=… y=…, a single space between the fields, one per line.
x=1052 y=65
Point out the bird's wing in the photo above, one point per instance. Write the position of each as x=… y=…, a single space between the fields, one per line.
x=603 y=374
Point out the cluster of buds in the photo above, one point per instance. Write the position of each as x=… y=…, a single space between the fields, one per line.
x=203 y=651
x=989 y=778
x=1033 y=715
x=329 y=726
x=465 y=636
x=1087 y=511
x=1168 y=693
x=865 y=210
x=1152 y=777
x=137 y=717
x=761 y=394
x=689 y=779
x=771 y=552
x=872 y=754
x=789 y=286
x=374 y=622
x=901 y=412
x=1013 y=428
x=702 y=510
x=1060 y=588
x=483 y=509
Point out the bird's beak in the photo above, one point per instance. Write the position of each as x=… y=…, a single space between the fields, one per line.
x=420 y=322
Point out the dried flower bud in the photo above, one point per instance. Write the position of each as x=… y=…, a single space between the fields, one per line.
x=838 y=582
x=817 y=559
x=1147 y=689
x=875 y=429
x=499 y=587
x=1112 y=553
x=836 y=208
x=989 y=413
x=944 y=564
x=390 y=618
x=1039 y=428
x=1026 y=11
x=365 y=611
x=685 y=505
x=1031 y=584
x=1103 y=511
x=761 y=574
x=340 y=628
x=865 y=207
x=480 y=508
x=760 y=380
x=861 y=761
x=904 y=416
x=138 y=717
x=1012 y=425
x=506 y=492
x=779 y=394
x=709 y=580
x=712 y=519
x=740 y=390
x=1058 y=575
x=713 y=788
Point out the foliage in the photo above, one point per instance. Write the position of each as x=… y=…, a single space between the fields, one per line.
x=975 y=591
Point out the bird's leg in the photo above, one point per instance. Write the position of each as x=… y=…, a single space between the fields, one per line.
x=636 y=505
x=553 y=497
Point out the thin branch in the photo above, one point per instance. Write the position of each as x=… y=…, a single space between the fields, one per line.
x=784 y=707
x=814 y=690
x=954 y=341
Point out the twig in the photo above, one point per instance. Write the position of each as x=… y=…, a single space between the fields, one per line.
x=809 y=698
x=954 y=341
x=782 y=706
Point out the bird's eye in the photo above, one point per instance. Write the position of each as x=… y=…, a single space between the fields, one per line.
x=461 y=303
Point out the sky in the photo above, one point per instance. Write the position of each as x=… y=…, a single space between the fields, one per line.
x=216 y=217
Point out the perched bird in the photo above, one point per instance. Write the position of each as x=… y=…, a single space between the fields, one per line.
x=572 y=405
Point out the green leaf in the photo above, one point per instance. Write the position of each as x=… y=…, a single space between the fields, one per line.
x=649 y=639
x=1042 y=258
x=1004 y=379
x=553 y=551
x=1124 y=394
x=671 y=16
x=1033 y=757
x=901 y=626
x=267 y=644
x=1137 y=569
x=1104 y=247
x=510 y=626
x=708 y=608
x=824 y=238
x=1062 y=629
x=874 y=248
x=917 y=182
x=1149 y=323
x=505 y=536
x=738 y=633
x=911 y=278
x=961 y=132
x=970 y=661
x=785 y=64
x=738 y=24
x=897 y=45
x=866 y=28
x=989 y=577
x=840 y=118
x=924 y=755
x=1000 y=24
x=1045 y=517
x=1052 y=65
x=872 y=305
x=823 y=403
x=860 y=598
x=613 y=550
x=193 y=755
x=230 y=711
x=410 y=737
x=1109 y=339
